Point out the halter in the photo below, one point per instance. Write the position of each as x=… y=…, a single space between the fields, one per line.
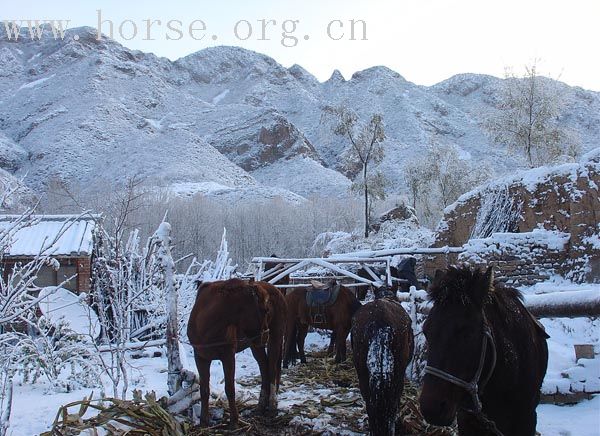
x=476 y=385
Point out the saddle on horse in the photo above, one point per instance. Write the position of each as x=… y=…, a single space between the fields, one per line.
x=319 y=296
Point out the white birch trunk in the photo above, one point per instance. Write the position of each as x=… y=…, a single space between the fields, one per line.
x=163 y=235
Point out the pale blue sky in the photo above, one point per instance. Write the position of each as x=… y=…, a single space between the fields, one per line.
x=424 y=40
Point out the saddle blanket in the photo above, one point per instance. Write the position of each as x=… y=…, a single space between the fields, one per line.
x=322 y=297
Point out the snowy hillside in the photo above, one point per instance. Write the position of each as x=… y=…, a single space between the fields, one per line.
x=86 y=111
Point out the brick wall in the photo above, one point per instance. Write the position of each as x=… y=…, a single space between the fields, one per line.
x=84 y=274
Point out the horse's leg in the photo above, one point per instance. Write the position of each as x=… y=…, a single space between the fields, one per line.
x=302 y=332
x=229 y=372
x=340 y=338
x=261 y=358
x=331 y=348
x=290 y=342
x=274 y=352
x=203 y=366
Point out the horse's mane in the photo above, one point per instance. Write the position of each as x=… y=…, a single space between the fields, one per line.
x=465 y=285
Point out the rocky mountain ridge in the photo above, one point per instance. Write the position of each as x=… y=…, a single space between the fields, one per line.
x=90 y=113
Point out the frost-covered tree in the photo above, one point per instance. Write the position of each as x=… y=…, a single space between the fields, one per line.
x=439 y=177
x=129 y=290
x=528 y=116
x=366 y=152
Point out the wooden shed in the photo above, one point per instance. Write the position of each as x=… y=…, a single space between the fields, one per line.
x=66 y=238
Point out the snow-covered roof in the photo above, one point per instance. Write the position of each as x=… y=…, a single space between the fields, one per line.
x=55 y=235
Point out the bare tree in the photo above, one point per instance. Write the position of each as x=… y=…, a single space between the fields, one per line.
x=367 y=151
x=528 y=118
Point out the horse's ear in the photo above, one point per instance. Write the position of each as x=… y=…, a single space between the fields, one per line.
x=437 y=277
x=489 y=278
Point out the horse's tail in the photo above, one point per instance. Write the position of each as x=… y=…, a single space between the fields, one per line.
x=382 y=383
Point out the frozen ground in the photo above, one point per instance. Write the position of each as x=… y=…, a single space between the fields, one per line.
x=35 y=407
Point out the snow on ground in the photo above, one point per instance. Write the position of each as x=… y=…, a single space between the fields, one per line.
x=217 y=191
x=217 y=99
x=582 y=419
x=291 y=174
x=35 y=82
x=564 y=373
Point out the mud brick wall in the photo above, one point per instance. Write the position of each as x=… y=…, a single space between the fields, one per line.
x=518 y=259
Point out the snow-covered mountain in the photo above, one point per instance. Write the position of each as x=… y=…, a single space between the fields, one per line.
x=225 y=120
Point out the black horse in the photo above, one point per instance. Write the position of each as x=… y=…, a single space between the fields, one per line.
x=382 y=346
x=487 y=356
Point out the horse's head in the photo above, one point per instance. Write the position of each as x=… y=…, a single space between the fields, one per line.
x=455 y=331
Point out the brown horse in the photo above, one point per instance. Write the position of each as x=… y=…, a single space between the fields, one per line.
x=335 y=315
x=228 y=317
x=486 y=358
x=382 y=346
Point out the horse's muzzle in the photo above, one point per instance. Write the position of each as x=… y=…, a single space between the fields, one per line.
x=436 y=407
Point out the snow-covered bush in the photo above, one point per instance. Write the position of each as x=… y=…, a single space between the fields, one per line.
x=54 y=352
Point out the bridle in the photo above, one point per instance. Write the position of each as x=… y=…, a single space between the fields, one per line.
x=477 y=384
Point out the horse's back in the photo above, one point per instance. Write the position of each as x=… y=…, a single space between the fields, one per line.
x=384 y=315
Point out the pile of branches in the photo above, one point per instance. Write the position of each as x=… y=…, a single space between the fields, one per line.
x=139 y=416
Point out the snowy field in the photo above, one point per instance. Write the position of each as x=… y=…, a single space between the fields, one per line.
x=35 y=406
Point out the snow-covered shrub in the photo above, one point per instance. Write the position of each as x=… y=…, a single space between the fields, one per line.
x=54 y=352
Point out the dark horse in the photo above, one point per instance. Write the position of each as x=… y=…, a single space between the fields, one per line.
x=228 y=317
x=382 y=346
x=403 y=276
x=336 y=316
x=487 y=356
